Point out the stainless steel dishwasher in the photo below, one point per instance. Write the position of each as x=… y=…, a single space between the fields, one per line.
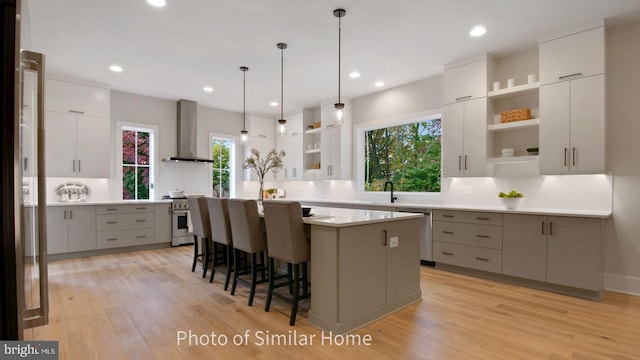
x=426 y=244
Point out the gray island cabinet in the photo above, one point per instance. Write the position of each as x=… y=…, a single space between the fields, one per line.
x=364 y=265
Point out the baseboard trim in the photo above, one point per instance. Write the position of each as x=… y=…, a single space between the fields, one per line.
x=622 y=284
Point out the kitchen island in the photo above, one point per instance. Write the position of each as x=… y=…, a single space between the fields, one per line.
x=365 y=265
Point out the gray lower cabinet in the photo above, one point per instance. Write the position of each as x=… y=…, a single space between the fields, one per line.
x=524 y=246
x=71 y=228
x=574 y=252
x=125 y=225
x=559 y=250
x=468 y=239
x=163 y=223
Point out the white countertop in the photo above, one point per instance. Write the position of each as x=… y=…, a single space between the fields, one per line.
x=340 y=217
x=108 y=202
x=422 y=207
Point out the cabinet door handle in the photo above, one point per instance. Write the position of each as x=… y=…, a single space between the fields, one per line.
x=447 y=253
x=141 y=221
x=542 y=228
x=447 y=216
x=465 y=162
x=565 y=156
x=141 y=236
x=76 y=111
x=481 y=259
x=568 y=76
x=112 y=239
x=74 y=165
x=295 y=172
x=70 y=214
x=112 y=222
x=285 y=173
x=111 y=209
x=483 y=218
x=141 y=208
x=384 y=242
x=463 y=98
x=79 y=165
x=483 y=236
x=551 y=228
x=262 y=136
x=459 y=162
x=447 y=232
x=26 y=167
x=332 y=125
x=573 y=156
x=65 y=215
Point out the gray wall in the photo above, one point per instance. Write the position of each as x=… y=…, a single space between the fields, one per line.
x=622 y=263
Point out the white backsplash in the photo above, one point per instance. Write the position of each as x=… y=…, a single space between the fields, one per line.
x=569 y=192
x=193 y=178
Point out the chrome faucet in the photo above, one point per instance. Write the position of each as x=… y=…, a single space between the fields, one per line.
x=393 y=198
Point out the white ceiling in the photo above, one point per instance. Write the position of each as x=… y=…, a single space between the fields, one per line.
x=172 y=52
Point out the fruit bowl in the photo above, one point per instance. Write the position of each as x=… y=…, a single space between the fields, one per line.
x=512 y=202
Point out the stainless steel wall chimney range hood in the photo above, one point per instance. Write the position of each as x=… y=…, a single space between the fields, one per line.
x=187 y=133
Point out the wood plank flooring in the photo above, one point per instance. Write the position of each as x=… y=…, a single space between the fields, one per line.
x=132 y=306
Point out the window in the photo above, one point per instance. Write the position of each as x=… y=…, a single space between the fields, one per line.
x=407 y=154
x=222 y=153
x=137 y=160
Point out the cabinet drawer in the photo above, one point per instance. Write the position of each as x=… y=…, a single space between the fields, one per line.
x=468 y=217
x=468 y=256
x=124 y=221
x=121 y=238
x=486 y=236
x=123 y=209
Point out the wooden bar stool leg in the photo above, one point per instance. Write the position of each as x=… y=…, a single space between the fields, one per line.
x=230 y=266
x=254 y=277
x=205 y=261
x=296 y=293
x=235 y=271
x=195 y=253
x=305 y=279
x=267 y=305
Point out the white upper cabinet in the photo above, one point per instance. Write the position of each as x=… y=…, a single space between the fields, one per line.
x=573 y=56
x=572 y=126
x=465 y=81
x=295 y=123
x=261 y=126
x=261 y=137
x=72 y=97
x=464 y=140
x=78 y=130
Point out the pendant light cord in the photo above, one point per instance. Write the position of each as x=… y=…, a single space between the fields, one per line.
x=282 y=83
x=244 y=100
x=339 y=52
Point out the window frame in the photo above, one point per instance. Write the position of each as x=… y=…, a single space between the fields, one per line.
x=232 y=160
x=153 y=150
x=359 y=148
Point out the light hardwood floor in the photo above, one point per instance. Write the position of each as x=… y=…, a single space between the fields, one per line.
x=131 y=306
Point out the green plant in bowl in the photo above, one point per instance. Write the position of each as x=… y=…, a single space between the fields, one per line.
x=512 y=199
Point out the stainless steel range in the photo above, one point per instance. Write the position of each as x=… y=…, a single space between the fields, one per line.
x=179 y=222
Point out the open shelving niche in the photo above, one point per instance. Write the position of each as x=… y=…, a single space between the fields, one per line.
x=312 y=151
x=518 y=135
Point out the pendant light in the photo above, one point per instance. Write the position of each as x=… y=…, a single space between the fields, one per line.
x=244 y=133
x=282 y=122
x=339 y=13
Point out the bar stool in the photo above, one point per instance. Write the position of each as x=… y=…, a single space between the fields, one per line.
x=248 y=237
x=202 y=229
x=221 y=234
x=287 y=242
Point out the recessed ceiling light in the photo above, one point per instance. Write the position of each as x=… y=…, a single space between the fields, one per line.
x=379 y=84
x=478 y=31
x=115 y=68
x=157 y=3
x=354 y=75
x=274 y=103
x=207 y=89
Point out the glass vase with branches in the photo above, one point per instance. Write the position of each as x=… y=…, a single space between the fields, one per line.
x=263 y=165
